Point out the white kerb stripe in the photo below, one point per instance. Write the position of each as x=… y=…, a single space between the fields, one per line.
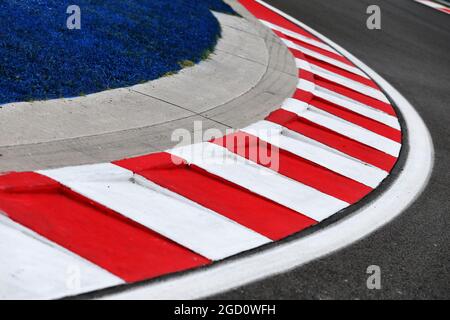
x=323 y=156
x=344 y=81
x=324 y=58
x=431 y=4
x=260 y=180
x=179 y=219
x=32 y=267
x=349 y=104
x=298 y=36
x=297 y=136
x=343 y=127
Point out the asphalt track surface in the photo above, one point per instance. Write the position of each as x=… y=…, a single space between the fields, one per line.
x=412 y=52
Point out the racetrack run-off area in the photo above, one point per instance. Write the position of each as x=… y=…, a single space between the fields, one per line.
x=337 y=138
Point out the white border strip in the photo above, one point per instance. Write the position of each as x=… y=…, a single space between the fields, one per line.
x=284 y=257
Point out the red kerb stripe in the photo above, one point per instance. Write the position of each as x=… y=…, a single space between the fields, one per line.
x=243 y=206
x=109 y=240
x=333 y=139
x=294 y=167
x=351 y=116
x=261 y=12
x=311 y=47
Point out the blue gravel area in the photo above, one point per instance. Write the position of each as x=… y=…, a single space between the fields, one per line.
x=120 y=43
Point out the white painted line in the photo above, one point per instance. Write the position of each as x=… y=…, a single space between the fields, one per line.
x=346 y=82
x=342 y=126
x=299 y=36
x=399 y=196
x=349 y=103
x=179 y=219
x=32 y=267
x=435 y=5
x=324 y=58
x=431 y=4
x=260 y=180
x=320 y=154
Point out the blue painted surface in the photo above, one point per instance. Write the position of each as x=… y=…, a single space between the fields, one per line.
x=120 y=43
